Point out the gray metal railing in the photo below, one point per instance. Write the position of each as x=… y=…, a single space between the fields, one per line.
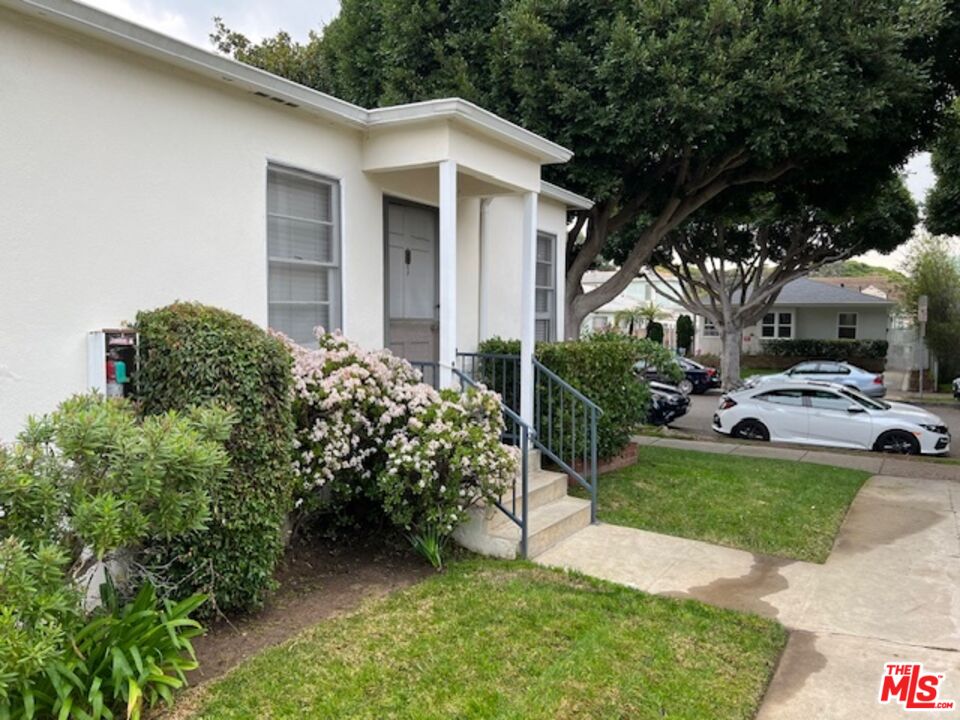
x=429 y=370
x=518 y=433
x=564 y=419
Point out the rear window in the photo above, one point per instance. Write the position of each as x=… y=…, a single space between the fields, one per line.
x=783 y=397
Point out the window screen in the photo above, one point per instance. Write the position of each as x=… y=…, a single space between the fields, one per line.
x=303 y=238
x=546 y=287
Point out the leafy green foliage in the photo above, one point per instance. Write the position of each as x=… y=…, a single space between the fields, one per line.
x=857 y=268
x=827 y=349
x=942 y=215
x=124 y=659
x=655 y=332
x=192 y=354
x=685 y=333
x=934 y=270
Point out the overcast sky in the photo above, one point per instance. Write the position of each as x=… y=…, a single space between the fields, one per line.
x=192 y=21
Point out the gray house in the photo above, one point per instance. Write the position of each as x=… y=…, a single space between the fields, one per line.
x=808 y=309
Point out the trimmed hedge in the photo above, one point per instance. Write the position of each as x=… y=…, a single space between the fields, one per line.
x=192 y=354
x=601 y=367
x=827 y=349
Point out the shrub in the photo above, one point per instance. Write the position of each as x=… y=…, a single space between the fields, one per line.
x=375 y=444
x=192 y=354
x=827 y=349
x=80 y=488
x=601 y=366
x=708 y=359
x=685 y=333
x=655 y=331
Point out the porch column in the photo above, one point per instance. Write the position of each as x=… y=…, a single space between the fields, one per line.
x=448 y=271
x=528 y=277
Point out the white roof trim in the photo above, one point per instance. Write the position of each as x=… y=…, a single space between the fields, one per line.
x=136 y=38
x=567 y=197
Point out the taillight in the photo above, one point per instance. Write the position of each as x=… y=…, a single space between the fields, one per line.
x=711 y=372
x=878 y=380
x=727 y=403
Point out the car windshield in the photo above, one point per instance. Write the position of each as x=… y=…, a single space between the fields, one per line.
x=868 y=403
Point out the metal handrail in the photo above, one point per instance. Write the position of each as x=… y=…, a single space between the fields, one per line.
x=523 y=434
x=567 y=386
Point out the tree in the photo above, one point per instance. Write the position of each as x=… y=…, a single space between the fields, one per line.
x=629 y=317
x=933 y=270
x=943 y=199
x=667 y=104
x=685 y=332
x=731 y=266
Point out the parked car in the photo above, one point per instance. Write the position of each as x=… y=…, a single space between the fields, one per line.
x=956 y=388
x=667 y=403
x=697 y=378
x=819 y=413
x=851 y=376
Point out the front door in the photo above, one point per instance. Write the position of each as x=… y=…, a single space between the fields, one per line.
x=412 y=309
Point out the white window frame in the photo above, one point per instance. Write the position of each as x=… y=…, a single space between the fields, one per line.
x=777 y=325
x=550 y=314
x=335 y=265
x=855 y=326
x=710 y=330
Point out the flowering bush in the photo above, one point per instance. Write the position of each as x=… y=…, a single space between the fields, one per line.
x=367 y=427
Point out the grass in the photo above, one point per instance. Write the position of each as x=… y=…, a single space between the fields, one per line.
x=490 y=639
x=771 y=507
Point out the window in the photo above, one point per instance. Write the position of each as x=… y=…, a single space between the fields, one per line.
x=546 y=311
x=826 y=400
x=807 y=368
x=794 y=398
x=709 y=329
x=777 y=325
x=847 y=326
x=303 y=251
x=600 y=322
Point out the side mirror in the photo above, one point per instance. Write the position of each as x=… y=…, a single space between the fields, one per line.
x=854 y=409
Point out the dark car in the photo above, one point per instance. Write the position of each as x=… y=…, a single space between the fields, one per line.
x=667 y=403
x=956 y=388
x=697 y=378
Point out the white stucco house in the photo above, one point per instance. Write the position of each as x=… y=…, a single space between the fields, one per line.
x=809 y=309
x=640 y=292
x=138 y=170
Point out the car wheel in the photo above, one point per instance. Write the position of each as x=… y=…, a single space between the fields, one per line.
x=898 y=442
x=751 y=430
x=685 y=386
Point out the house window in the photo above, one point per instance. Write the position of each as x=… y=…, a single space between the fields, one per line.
x=777 y=325
x=847 y=326
x=546 y=312
x=303 y=251
x=600 y=323
x=710 y=329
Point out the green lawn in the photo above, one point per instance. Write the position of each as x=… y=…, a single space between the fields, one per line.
x=772 y=507
x=490 y=639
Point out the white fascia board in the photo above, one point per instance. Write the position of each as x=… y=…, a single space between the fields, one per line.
x=143 y=41
x=564 y=196
x=476 y=117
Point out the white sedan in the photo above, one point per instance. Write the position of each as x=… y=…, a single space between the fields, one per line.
x=817 y=413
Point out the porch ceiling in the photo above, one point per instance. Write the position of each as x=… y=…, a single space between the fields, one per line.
x=422 y=184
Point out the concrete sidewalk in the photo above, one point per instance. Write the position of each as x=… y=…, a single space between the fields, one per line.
x=890 y=591
x=894 y=465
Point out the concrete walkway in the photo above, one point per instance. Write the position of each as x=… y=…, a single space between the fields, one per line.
x=889 y=592
x=894 y=465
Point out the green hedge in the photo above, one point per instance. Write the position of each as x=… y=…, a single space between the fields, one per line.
x=601 y=367
x=192 y=354
x=827 y=349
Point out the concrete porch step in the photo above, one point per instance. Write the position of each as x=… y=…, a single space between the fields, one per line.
x=549 y=524
x=544 y=486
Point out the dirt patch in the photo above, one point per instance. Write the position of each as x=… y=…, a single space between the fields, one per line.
x=318 y=580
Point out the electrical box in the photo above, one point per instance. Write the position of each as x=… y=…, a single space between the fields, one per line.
x=112 y=360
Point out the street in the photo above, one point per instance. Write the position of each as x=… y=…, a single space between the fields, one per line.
x=697 y=421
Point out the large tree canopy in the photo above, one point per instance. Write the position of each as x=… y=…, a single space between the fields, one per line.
x=667 y=104
x=943 y=199
x=730 y=264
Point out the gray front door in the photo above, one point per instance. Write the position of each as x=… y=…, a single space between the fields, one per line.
x=412 y=310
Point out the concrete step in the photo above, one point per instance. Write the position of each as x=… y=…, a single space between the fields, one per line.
x=549 y=524
x=544 y=486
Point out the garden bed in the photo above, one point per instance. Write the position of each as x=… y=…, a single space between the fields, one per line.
x=786 y=509
x=492 y=639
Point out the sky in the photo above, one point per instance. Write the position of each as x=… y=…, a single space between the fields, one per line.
x=192 y=22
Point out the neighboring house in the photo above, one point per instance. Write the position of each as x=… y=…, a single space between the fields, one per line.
x=640 y=292
x=812 y=310
x=138 y=170
x=879 y=286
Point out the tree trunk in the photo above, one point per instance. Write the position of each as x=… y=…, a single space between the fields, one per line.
x=731 y=338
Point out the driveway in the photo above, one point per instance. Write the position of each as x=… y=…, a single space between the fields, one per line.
x=698 y=420
x=889 y=593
